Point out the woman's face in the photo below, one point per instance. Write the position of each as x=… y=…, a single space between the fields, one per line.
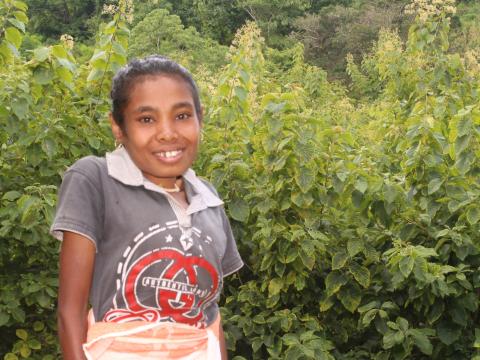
x=161 y=130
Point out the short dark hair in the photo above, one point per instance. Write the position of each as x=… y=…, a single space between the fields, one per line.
x=137 y=69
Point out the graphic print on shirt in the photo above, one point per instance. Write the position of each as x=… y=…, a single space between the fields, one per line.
x=163 y=276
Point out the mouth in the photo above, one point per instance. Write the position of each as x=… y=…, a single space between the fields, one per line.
x=169 y=155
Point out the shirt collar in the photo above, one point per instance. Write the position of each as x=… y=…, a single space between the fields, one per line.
x=122 y=168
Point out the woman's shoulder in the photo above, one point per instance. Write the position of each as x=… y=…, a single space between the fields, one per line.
x=90 y=166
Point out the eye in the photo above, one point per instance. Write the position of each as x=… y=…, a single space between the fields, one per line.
x=146 y=120
x=183 y=116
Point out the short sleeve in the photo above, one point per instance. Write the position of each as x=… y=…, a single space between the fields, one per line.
x=79 y=206
x=231 y=261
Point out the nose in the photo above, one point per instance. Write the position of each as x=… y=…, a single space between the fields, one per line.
x=165 y=131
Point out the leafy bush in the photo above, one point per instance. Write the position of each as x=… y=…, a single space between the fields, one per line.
x=162 y=33
x=358 y=219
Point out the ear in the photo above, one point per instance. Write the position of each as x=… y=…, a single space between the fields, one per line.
x=116 y=130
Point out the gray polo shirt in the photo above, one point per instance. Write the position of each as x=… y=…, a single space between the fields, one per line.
x=154 y=260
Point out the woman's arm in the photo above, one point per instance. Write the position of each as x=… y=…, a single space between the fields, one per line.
x=223 y=344
x=76 y=268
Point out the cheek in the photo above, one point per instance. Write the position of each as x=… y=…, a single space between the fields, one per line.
x=193 y=133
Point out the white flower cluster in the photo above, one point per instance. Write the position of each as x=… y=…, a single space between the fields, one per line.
x=109 y=9
x=67 y=41
x=125 y=7
x=428 y=8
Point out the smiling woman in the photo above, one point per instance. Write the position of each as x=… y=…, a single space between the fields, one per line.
x=145 y=241
x=160 y=133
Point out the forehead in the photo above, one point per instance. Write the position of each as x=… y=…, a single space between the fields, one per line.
x=159 y=86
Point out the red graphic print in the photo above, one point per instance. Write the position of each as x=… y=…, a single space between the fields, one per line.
x=171 y=279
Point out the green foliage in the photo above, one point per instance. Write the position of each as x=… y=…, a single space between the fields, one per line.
x=275 y=17
x=13 y=21
x=335 y=31
x=49 y=113
x=162 y=33
x=52 y=18
x=358 y=219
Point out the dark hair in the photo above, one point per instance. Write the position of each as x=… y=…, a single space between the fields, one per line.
x=137 y=69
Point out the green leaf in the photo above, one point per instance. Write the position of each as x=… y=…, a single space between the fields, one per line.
x=11 y=195
x=43 y=75
x=22 y=334
x=18 y=24
x=290 y=339
x=241 y=93
x=354 y=246
x=29 y=210
x=305 y=178
x=13 y=36
x=4 y=318
x=350 y=297
x=239 y=210
x=59 y=52
x=390 y=339
x=43 y=300
x=41 y=54
x=95 y=74
x=368 y=317
x=461 y=144
x=293 y=353
x=10 y=356
x=20 y=16
x=257 y=344
x=20 y=107
x=339 y=260
x=49 y=147
x=275 y=286
x=65 y=75
x=25 y=351
x=464 y=126
x=18 y=314
x=361 y=185
x=334 y=281
x=66 y=64
x=371 y=305
x=389 y=194
x=291 y=255
x=448 y=333
x=20 y=5
x=360 y=273
x=473 y=214
x=326 y=303
x=459 y=315
x=275 y=107
x=308 y=259
x=34 y=344
x=94 y=142
x=38 y=326
x=406 y=265
x=434 y=185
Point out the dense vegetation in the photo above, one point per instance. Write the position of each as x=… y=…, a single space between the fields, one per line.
x=355 y=207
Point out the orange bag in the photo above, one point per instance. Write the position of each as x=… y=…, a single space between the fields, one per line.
x=143 y=340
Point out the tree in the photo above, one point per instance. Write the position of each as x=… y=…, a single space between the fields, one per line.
x=52 y=18
x=162 y=33
x=334 y=32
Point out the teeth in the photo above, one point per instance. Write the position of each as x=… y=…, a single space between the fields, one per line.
x=169 y=154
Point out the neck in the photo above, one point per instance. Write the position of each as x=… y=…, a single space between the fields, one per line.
x=171 y=185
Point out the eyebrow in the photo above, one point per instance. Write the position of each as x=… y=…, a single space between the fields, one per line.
x=147 y=108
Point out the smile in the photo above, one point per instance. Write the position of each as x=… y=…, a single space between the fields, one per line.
x=169 y=154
